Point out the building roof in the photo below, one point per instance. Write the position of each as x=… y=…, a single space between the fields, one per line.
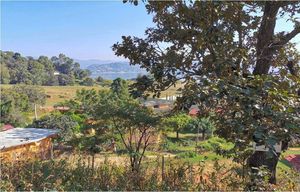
x=194 y=112
x=7 y=127
x=21 y=136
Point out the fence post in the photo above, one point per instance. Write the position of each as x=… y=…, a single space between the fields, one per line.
x=51 y=150
x=162 y=168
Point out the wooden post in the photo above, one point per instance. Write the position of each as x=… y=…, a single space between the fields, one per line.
x=35 y=112
x=32 y=172
x=162 y=168
x=51 y=150
x=93 y=163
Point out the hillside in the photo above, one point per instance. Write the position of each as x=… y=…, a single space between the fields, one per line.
x=115 y=69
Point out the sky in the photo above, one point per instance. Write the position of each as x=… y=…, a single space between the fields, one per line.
x=79 y=29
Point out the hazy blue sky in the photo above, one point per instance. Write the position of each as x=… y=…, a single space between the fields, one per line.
x=81 y=30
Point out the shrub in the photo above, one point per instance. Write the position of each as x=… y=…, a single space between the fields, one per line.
x=214 y=143
x=188 y=154
x=65 y=123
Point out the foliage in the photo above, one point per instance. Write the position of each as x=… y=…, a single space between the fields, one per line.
x=215 y=144
x=134 y=123
x=17 y=100
x=66 y=124
x=218 y=45
x=99 y=79
x=203 y=125
x=119 y=87
x=88 y=82
x=17 y=69
x=142 y=82
x=77 y=176
x=188 y=154
x=176 y=122
x=35 y=94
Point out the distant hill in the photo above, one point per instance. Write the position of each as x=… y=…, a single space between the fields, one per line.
x=115 y=69
x=85 y=63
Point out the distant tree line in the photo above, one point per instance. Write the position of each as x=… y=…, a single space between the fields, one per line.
x=60 y=70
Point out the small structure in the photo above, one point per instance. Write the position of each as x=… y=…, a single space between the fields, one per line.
x=26 y=143
x=158 y=105
x=56 y=73
x=6 y=127
x=194 y=111
x=62 y=108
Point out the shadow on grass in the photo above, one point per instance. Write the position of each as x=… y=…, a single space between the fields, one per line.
x=286 y=162
x=184 y=139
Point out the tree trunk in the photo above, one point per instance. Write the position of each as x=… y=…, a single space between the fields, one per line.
x=264 y=54
x=177 y=134
x=203 y=134
x=264 y=49
x=260 y=158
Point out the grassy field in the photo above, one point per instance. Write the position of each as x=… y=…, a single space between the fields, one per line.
x=56 y=94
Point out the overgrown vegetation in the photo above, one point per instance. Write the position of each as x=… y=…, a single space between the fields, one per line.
x=64 y=175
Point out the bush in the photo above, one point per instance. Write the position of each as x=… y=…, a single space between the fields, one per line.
x=188 y=154
x=88 y=82
x=64 y=123
x=214 y=143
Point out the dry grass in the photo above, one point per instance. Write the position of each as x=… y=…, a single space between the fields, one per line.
x=56 y=94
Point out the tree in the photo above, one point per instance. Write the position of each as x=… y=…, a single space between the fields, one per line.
x=177 y=122
x=13 y=105
x=142 y=83
x=119 y=87
x=27 y=70
x=203 y=125
x=5 y=77
x=64 y=79
x=134 y=123
x=88 y=100
x=37 y=72
x=36 y=95
x=19 y=72
x=99 y=79
x=63 y=122
x=214 y=47
x=88 y=82
x=50 y=78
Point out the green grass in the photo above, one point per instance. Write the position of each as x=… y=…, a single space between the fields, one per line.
x=285 y=165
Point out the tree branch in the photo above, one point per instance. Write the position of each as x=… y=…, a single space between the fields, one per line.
x=286 y=38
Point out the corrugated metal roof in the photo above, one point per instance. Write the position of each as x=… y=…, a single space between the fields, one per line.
x=21 y=136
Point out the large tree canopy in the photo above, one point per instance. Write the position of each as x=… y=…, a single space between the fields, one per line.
x=231 y=61
x=60 y=70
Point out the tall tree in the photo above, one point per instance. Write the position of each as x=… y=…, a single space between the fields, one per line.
x=119 y=87
x=36 y=95
x=50 y=78
x=5 y=77
x=134 y=124
x=215 y=47
x=177 y=122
